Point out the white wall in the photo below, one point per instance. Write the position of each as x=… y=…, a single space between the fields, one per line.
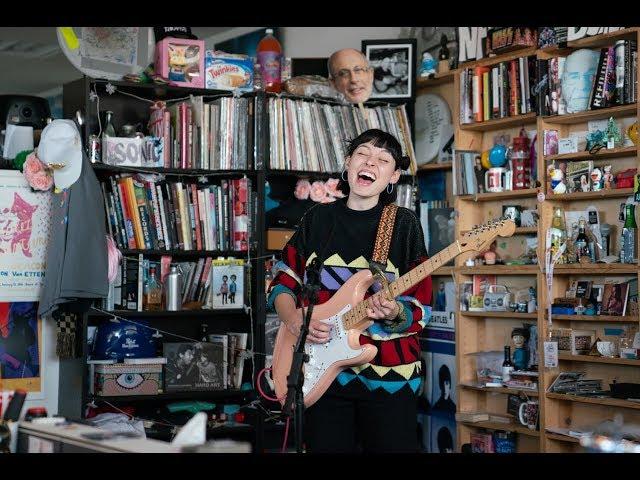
x=301 y=42
x=310 y=42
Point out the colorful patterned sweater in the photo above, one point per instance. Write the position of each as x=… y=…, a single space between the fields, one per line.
x=347 y=251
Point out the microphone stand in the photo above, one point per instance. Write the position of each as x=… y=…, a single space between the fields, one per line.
x=295 y=380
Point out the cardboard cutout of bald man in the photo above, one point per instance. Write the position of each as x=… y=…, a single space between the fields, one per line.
x=351 y=75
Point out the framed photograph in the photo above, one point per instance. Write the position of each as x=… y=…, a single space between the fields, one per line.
x=393 y=63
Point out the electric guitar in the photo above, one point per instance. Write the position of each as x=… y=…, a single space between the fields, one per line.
x=346 y=312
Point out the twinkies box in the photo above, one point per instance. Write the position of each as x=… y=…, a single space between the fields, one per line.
x=127 y=379
x=224 y=71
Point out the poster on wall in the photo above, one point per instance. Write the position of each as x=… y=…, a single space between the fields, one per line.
x=20 y=346
x=24 y=233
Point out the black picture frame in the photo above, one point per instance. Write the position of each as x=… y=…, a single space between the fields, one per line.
x=393 y=79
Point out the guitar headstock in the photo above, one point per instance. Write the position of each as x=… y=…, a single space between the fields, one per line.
x=480 y=238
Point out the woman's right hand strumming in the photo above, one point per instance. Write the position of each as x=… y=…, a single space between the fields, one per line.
x=319 y=332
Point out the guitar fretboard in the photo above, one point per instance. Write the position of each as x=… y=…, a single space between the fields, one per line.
x=359 y=312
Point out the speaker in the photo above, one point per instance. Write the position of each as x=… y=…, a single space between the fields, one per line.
x=24 y=110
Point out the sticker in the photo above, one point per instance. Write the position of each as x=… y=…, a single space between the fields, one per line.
x=551 y=354
x=541 y=196
x=69 y=37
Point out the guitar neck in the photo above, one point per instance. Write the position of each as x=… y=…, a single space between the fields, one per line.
x=359 y=312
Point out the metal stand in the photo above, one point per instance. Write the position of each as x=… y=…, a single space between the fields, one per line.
x=295 y=380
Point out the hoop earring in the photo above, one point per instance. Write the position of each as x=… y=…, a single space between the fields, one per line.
x=342 y=176
x=390 y=191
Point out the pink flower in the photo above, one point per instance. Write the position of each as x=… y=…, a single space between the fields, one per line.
x=32 y=165
x=302 y=189
x=40 y=181
x=328 y=199
x=332 y=188
x=318 y=191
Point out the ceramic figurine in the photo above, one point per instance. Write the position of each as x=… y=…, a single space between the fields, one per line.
x=596 y=179
x=607 y=178
x=520 y=354
x=557 y=181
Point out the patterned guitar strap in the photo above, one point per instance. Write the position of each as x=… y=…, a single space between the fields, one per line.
x=378 y=262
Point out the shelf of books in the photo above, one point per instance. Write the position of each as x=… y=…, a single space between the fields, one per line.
x=185 y=202
x=584 y=160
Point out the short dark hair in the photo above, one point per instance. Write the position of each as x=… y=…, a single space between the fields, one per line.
x=381 y=139
x=233 y=277
x=183 y=348
x=444 y=375
x=445 y=440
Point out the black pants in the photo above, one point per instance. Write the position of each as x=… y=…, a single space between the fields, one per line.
x=354 y=419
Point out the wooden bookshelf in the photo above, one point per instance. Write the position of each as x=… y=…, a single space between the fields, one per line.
x=593 y=359
x=437 y=79
x=446 y=270
x=518 y=231
x=610 y=402
x=600 y=194
x=495 y=59
x=595 y=318
x=561 y=438
x=596 y=269
x=485 y=331
x=500 y=123
x=510 y=427
x=191 y=395
x=506 y=195
x=600 y=154
x=605 y=39
x=499 y=270
x=435 y=166
x=583 y=117
x=506 y=391
x=507 y=315
x=198 y=314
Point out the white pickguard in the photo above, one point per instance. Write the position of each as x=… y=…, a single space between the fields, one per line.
x=323 y=355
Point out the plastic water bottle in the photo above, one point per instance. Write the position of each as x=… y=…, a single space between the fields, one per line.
x=269 y=53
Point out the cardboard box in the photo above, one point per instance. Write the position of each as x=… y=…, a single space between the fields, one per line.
x=277 y=238
x=228 y=72
x=181 y=61
x=127 y=379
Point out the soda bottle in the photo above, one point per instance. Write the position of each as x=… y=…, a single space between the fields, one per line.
x=269 y=53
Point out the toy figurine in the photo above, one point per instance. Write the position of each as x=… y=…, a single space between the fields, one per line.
x=607 y=178
x=557 y=180
x=520 y=354
x=596 y=179
x=532 y=305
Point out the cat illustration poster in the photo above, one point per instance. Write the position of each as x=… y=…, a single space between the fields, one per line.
x=24 y=231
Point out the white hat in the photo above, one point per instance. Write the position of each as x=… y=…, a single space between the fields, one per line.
x=61 y=148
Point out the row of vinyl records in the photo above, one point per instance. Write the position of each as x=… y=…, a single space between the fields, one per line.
x=146 y=213
x=216 y=135
x=527 y=84
x=312 y=136
x=208 y=283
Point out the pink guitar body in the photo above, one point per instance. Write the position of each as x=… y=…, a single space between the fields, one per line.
x=326 y=360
